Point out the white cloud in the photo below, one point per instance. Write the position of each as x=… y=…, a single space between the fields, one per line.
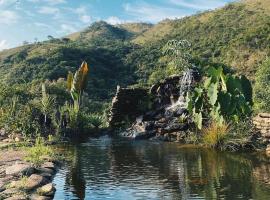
x=3 y=45
x=42 y=25
x=48 y=10
x=7 y=2
x=152 y=13
x=85 y=18
x=50 y=2
x=83 y=14
x=199 y=4
x=67 y=28
x=54 y=2
x=114 y=20
x=8 y=17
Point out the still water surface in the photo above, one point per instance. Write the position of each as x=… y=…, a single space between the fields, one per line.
x=119 y=169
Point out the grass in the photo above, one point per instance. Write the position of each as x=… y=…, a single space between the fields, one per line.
x=37 y=152
x=214 y=134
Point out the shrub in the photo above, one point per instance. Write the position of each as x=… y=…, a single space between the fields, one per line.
x=262 y=88
x=241 y=135
x=215 y=133
x=95 y=120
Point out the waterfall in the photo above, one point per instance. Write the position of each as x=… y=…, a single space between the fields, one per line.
x=185 y=85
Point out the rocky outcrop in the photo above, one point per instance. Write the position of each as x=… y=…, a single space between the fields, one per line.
x=20 y=180
x=164 y=120
x=127 y=104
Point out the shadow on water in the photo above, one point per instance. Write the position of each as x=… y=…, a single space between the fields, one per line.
x=120 y=169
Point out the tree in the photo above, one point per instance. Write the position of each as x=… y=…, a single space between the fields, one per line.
x=50 y=37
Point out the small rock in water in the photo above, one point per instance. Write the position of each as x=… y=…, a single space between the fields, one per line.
x=143 y=135
x=47 y=175
x=46 y=170
x=49 y=165
x=47 y=190
x=38 y=197
x=35 y=181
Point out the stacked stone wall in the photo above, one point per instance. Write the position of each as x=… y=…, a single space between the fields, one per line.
x=126 y=105
x=262 y=124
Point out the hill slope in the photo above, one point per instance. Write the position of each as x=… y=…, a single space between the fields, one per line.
x=237 y=36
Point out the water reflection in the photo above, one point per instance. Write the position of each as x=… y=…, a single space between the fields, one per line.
x=108 y=168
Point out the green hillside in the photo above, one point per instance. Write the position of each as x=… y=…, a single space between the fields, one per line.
x=237 y=36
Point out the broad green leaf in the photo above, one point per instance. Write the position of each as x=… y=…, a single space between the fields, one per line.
x=212 y=93
x=247 y=88
x=198 y=119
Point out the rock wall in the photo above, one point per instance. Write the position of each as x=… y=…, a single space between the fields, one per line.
x=127 y=105
x=262 y=124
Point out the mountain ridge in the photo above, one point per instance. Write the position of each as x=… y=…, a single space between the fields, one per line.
x=237 y=36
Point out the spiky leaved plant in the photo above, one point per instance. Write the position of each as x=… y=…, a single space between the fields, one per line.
x=47 y=103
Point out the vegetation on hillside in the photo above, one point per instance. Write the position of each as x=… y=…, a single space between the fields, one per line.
x=222 y=43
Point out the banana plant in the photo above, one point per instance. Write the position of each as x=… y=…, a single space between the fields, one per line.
x=77 y=83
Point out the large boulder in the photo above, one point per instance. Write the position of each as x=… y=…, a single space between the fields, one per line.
x=20 y=170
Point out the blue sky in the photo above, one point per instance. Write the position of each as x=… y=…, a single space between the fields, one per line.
x=27 y=20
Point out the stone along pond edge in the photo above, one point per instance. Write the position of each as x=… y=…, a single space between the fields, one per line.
x=20 y=179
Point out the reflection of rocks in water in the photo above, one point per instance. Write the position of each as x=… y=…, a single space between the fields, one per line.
x=262 y=173
x=168 y=118
x=261 y=176
x=165 y=171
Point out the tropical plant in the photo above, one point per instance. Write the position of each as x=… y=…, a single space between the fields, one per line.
x=220 y=97
x=47 y=103
x=77 y=83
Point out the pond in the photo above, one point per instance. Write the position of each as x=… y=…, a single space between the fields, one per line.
x=119 y=169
